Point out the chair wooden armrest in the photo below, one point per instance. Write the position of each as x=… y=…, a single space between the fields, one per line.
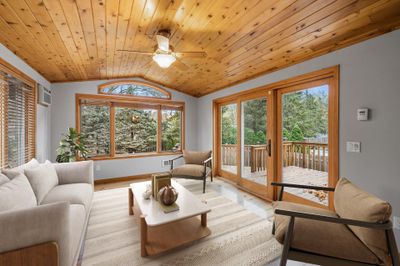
x=283 y=185
x=338 y=220
x=173 y=159
x=208 y=160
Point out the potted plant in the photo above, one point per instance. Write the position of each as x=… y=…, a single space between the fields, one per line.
x=71 y=146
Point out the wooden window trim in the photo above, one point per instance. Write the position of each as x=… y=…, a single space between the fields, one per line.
x=118 y=101
x=134 y=82
x=30 y=133
x=315 y=77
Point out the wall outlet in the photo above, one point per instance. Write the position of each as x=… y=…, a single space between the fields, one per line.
x=353 y=146
x=165 y=163
x=97 y=167
x=396 y=222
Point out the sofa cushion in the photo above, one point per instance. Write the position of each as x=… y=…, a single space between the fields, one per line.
x=189 y=170
x=42 y=178
x=353 y=203
x=13 y=172
x=17 y=194
x=77 y=216
x=3 y=179
x=78 y=193
x=322 y=238
x=196 y=157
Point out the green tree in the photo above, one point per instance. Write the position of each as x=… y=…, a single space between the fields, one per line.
x=296 y=134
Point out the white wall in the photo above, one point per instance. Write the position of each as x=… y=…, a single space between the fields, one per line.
x=43 y=128
x=369 y=77
x=63 y=117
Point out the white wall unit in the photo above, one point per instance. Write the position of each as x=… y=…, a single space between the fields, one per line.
x=369 y=76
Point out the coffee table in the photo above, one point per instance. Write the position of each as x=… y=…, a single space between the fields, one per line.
x=159 y=231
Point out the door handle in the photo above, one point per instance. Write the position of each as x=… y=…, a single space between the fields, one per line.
x=269 y=148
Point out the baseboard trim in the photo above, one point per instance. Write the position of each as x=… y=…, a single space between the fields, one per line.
x=121 y=179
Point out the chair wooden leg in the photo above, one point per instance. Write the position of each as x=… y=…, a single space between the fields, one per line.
x=394 y=254
x=273 y=227
x=288 y=240
x=204 y=184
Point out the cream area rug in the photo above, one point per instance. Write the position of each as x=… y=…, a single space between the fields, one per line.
x=238 y=236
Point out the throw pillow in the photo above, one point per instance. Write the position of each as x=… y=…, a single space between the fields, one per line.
x=17 y=194
x=13 y=172
x=42 y=178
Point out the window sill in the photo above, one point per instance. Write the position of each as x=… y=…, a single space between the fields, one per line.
x=133 y=156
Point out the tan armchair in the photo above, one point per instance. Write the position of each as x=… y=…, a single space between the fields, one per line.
x=197 y=166
x=359 y=232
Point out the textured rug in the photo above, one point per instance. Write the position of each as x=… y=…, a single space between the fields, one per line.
x=239 y=237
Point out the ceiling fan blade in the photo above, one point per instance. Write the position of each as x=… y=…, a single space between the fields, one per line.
x=163 y=43
x=136 y=52
x=180 y=65
x=192 y=54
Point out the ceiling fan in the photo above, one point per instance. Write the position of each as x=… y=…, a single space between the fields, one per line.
x=164 y=55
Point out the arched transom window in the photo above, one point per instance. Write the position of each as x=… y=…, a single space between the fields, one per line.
x=134 y=88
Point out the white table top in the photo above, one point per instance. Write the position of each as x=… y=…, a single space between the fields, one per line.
x=189 y=205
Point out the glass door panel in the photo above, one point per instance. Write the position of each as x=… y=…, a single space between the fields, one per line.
x=228 y=138
x=254 y=140
x=304 y=138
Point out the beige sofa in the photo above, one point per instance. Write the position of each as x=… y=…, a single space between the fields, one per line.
x=56 y=216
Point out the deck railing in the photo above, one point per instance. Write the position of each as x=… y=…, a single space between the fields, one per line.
x=309 y=155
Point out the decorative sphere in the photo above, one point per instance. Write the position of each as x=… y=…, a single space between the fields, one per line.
x=167 y=195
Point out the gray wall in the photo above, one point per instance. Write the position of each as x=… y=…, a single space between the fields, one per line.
x=43 y=128
x=369 y=77
x=63 y=117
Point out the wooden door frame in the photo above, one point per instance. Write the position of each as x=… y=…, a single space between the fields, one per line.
x=331 y=73
x=332 y=143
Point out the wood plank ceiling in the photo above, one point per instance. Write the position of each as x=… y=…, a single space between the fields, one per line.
x=70 y=40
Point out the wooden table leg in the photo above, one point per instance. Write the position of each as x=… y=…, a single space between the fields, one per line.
x=130 y=196
x=143 y=236
x=204 y=219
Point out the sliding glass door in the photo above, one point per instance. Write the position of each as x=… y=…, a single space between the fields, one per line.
x=286 y=132
x=244 y=146
x=306 y=122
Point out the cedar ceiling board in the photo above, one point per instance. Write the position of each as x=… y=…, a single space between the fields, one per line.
x=68 y=40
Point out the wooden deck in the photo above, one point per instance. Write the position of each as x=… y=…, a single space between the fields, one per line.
x=292 y=174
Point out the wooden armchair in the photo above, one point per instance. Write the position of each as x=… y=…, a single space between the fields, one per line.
x=359 y=232
x=198 y=165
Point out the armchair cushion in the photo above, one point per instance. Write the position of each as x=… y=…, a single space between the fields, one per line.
x=73 y=193
x=196 y=157
x=16 y=194
x=323 y=238
x=354 y=203
x=194 y=170
x=42 y=178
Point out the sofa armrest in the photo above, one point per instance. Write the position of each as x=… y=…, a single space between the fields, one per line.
x=75 y=172
x=37 y=225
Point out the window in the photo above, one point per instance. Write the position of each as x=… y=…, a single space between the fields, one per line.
x=115 y=127
x=134 y=88
x=17 y=117
x=135 y=130
x=171 y=130
x=95 y=126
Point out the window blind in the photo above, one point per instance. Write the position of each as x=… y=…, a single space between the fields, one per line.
x=18 y=116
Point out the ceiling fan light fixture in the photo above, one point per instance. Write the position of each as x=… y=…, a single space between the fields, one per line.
x=164 y=60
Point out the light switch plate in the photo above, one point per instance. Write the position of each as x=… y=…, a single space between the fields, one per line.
x=353 y=146
x=98 y=167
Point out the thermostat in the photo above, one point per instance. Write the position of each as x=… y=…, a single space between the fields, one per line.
x=362 y=114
